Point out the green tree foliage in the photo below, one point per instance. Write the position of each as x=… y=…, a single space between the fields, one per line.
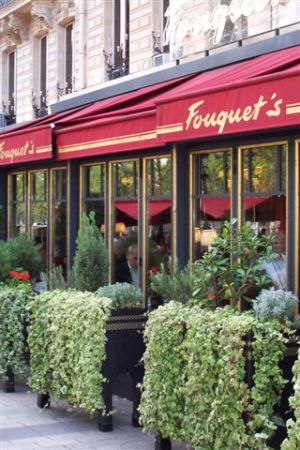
x=91 y=258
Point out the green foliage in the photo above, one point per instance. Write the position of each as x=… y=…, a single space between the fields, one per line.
x=56 y=279
x=19 y=252
x=91 y=259
x=293 y=440
x=194 y=387
x=67 y=346
x=122 y=295
x=231 y=269
x=178 y=286
x=13 y=317
x=275 y=304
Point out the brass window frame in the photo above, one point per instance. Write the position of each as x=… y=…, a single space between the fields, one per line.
x=111 y=224
x=51 y=201
x=192 y=190
x=145 y=228
x=243 y=147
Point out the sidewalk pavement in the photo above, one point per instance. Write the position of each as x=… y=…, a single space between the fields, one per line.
x=23 y=426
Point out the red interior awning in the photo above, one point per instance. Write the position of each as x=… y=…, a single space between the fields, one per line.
x=159 y=211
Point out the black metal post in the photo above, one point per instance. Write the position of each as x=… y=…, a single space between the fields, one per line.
x=10 y=381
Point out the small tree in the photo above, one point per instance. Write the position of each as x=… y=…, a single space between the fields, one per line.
x=91 y=259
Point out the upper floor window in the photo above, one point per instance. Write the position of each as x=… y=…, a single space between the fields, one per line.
x=8 y=102
x=69 y=58
x=39 y=99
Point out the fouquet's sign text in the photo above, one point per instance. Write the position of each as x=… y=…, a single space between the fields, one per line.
x=198 y=117
x=10 y=155
x=26 y=146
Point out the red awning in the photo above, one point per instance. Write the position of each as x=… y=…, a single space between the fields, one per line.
x=262 y=93
x=25 y=145
x=159 y=210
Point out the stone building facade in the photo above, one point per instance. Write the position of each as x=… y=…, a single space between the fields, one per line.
x=56 y=49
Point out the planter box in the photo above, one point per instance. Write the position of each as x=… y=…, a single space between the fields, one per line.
x=124 y=350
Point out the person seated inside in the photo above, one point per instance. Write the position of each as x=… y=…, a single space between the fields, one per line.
x=275 y=267
x=127 y=271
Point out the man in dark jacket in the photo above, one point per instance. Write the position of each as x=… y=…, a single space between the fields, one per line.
x=127 y=271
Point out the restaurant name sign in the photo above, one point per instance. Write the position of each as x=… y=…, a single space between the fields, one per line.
x=197 y=117
x=26 y=146
x=255 y=106
x=186 y=18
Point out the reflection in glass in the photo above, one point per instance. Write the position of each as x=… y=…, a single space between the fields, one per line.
x=59 y=221
x=158 y=210
x=264 y=201
x=94 y=182
x=125 y=222
x=39 y=212
x=18 y=211
x=212 y=181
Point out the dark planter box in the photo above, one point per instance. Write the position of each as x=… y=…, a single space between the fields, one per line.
x=124 y=350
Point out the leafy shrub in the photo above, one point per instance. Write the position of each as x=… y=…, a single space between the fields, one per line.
x=275 y=304
x=232 y=268
x=194 y=387
x=67 y=346
x=56 y=279
x=178 y=286
x=14 y=303
x=20 y=252
x=91 y=258
x=4 y=265
x=293 y=440
x=122 y=295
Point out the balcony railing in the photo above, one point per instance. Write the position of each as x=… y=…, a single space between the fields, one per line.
x=5 y=2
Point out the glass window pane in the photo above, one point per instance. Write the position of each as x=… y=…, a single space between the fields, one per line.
x=264 y=201
x=125 y=179
x=59 y=222
x=18 y=205
x=39 y=212
x=94 y=182
x=125 y=222
x=212 y=202
x=158 y=209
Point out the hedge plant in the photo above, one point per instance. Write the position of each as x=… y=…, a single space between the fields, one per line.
x=67 y=346
x=293 y=440
x=14 y=303
x=194 y=388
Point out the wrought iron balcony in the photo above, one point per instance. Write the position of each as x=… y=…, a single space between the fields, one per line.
x=39 y=104
x=4 y=3
x=119 y=68
x=65 y=88
x=8 y=112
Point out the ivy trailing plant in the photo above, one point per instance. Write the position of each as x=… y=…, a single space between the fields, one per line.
x=194 y=387
x=67 y=346
x=293 y=440
x=91 y=258
x=14 y=303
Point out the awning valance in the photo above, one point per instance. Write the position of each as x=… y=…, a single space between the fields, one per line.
x=25 y=145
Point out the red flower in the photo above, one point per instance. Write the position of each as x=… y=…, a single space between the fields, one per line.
x=212 y=295
x=19 y=275
x=153 y=270
x=25 y=276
